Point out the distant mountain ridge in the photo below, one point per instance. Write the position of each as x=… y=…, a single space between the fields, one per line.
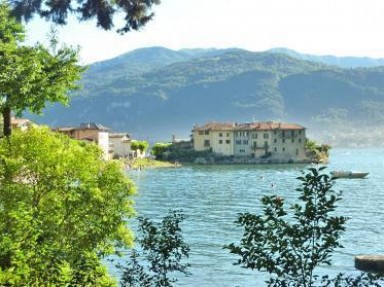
x=343 y=62
x=155 y=92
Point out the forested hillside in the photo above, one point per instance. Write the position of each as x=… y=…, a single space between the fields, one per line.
x=154 y=93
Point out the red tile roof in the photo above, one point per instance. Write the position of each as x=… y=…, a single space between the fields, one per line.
x=263 y=126
x=213 y=126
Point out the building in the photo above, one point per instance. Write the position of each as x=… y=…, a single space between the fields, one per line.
x=280 y=142
x=120 y=144
x=21 y=124
x=182 y=144
x=216 y=137
x=90 y=132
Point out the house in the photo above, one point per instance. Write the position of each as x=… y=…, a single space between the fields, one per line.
x=120 y=144
x=216 y=137
x=21 y=124
x=279 y=142
x=90 y=132
x=181 y=144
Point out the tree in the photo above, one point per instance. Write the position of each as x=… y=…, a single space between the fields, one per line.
x=135 y=13
x=162 y=248
x=291 y=246
x=159 y=149
x=62 y=210
x=139 y=145
x=32 y=76
x=318 y=153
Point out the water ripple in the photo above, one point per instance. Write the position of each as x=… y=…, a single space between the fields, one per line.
x=211 y=197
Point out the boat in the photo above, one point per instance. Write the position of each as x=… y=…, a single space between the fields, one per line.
x=348 y=174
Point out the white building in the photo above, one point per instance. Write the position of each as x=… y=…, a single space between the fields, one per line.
x=120 y=144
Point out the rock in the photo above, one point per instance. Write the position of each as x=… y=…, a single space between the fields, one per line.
x=370 y=263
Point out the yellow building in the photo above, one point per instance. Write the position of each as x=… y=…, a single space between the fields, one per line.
x=280 y=142
x=215 y=137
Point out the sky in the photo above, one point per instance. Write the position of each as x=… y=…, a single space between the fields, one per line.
x=319 y=27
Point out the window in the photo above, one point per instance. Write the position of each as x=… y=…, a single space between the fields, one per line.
x=201 y=133
x=266 y=144
x=220 y=134
x=207 y=143
x=254 y=144
x=241 y=150
x=206 y=132
x=275 y=140
x=274 y=132
x=299 y=132
x=227 y=134
x=238 y=141
x=283 y=148
x=266 y=135
x=283 y=133
x=293 y=133
x=245 y=142
x=299 y=140
x=220 y=141
x=245 y=134
x=293 y=140
x=254 y=136
x=227 y=141
x=283 y=140
x=275 y=148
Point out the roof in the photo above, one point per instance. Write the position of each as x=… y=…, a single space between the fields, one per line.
x=272 y=126
x=64 y=129
x=92 y=126
x=215 y=126
x=262 y=126
x=118 y=135
x=19 y=121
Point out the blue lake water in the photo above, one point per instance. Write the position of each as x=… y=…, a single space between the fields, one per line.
x=211 y=197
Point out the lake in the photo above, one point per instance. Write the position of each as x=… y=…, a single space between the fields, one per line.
x=211 y=197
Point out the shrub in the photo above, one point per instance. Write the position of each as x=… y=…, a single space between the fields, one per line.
x=161 y=250
x=291 y=243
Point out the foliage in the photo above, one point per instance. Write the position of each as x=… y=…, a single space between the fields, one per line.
x=1 y=126
x=158 y=149
x=162 y=247
x=176 y=154
x=261 y=85
x=135 y=13
x=291 y=246
x=139 y=145
x=32 y=76
x=361 y=280
x=62 y=209
x=318 y=153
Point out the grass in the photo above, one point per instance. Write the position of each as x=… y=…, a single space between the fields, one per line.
x=140 y=163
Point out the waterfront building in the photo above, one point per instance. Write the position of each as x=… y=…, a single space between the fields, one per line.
x=280 y=142
x=120 y=144
x=90 y=132
x=21 y=124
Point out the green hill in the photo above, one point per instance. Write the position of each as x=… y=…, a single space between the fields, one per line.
x=154 y=93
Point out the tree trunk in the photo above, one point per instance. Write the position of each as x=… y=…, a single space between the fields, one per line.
x=7 y=121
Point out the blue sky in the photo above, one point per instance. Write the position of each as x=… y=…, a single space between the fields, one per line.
x=321 y=27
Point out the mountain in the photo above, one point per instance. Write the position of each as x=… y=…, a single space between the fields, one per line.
x=137 y=62
x=154 y=93
x=344 y=62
